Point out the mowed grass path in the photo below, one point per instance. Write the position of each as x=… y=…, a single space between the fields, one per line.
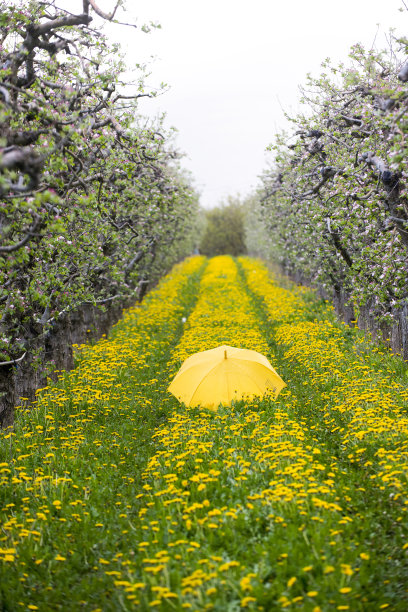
x=116 y=497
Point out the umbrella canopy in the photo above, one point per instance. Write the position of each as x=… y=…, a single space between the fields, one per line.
x=223 y=374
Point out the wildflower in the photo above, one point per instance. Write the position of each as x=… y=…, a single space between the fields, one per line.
x=245 y=601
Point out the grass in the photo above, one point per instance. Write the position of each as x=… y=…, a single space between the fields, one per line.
x=116 y=497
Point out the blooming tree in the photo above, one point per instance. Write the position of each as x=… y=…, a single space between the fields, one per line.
x=335 y=201
x=93 y=204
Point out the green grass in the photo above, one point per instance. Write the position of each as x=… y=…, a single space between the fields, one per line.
x=113 y=496
x=90 y=458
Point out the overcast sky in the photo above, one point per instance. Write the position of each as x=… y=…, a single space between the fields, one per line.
x=234 y=66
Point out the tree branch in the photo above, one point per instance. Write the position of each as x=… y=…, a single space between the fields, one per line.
x=98 y=11
x=18 y=245
x=13 y=361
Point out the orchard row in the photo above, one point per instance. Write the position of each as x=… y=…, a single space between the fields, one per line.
x=94 y=205
x=334 y=202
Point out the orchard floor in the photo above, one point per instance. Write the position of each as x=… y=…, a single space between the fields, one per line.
x=113 y=496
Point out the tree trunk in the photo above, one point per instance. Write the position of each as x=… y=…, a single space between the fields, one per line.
x=29 y=375
x=344 y=310
x=7 y=396
x=58 y=347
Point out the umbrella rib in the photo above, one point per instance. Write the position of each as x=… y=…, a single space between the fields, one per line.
x=186 y=371
x=243 y=371
x=203 y=380
x=264 y=365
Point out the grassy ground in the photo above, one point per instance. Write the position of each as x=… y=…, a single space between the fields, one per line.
x=113 y=496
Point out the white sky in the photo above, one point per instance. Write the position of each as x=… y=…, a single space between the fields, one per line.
x=234 y=65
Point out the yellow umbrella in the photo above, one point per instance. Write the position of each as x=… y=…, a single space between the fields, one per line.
x=223 y=374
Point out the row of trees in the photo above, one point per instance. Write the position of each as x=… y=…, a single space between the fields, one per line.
x=334 y=201
x=93 y=203
x=223 y=229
